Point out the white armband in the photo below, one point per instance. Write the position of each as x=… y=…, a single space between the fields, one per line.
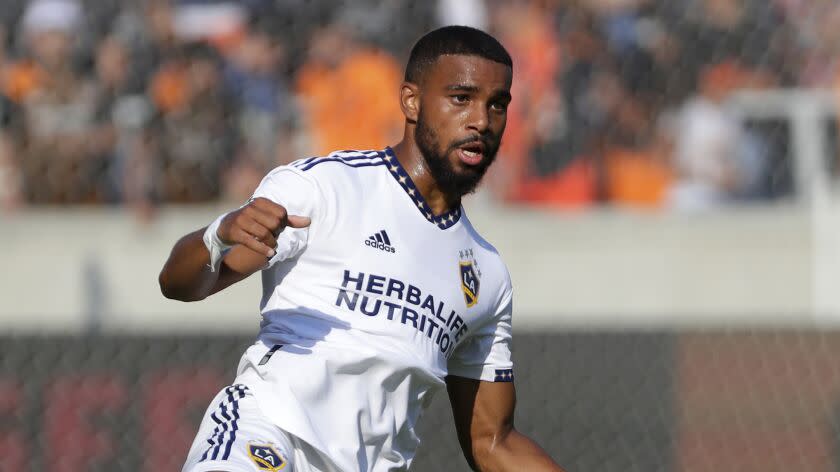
x=214 y=244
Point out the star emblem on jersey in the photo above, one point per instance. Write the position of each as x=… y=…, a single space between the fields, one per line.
x=266 y=457
x=470 y=274
x=381 y=241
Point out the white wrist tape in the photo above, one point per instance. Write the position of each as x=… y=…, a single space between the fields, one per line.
x=214 y=244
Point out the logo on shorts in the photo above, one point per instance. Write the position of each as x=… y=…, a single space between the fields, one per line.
x=470 y=274
x=266 y=457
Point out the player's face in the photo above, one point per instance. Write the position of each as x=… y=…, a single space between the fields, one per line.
x=461 y=120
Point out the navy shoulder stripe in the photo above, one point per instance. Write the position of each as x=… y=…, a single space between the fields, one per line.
x=303 y=161
x=348 y=158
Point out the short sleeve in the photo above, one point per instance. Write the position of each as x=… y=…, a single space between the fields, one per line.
x=297 y=193
x=485 y=355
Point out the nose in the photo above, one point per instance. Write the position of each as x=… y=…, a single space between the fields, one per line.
x=479 y=119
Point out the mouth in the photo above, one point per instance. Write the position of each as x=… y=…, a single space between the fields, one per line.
x=471 y=153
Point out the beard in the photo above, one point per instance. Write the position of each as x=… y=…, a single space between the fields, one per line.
x=450 y=181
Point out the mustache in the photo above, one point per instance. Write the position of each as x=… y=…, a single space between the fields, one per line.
x=489 y=141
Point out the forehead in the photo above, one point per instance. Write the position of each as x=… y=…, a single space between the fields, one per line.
x=468 y=70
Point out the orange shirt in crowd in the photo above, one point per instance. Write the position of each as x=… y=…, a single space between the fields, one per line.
x=528 y=34
x=636 y=178
x=20 y=79
x=352 y=106
x=572 y=188
x=169 y=88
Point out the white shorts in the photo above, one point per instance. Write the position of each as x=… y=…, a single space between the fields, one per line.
x=235 y=436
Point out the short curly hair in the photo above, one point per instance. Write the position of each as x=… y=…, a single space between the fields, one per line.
x=453 y=40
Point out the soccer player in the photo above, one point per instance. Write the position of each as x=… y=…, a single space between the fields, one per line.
x=377 y=290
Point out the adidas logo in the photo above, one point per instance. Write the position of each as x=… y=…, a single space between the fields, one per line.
x=380 y=240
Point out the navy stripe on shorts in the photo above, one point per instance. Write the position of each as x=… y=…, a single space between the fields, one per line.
x=226 y=417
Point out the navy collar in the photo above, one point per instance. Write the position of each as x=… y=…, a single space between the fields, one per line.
x=442 y=221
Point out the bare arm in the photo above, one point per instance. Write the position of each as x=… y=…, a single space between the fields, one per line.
x=484 y=421
x=253 y=229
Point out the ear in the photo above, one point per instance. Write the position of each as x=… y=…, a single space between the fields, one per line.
x=410 y=101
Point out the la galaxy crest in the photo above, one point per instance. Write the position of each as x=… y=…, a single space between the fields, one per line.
x=470 y=276
x=266 y=457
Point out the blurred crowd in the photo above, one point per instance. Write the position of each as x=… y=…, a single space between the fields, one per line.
x=616 y=102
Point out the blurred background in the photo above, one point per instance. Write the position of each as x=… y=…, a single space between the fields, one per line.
x=667 y=198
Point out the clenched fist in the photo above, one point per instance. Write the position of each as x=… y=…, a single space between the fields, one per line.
x=257 y=225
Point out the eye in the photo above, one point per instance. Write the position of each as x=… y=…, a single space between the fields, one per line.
x=499 y=106
x=461 y=98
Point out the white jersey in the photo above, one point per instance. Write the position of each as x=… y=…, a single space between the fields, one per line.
x=368 y=309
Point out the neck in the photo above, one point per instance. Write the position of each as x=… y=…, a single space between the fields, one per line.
x=411 y=159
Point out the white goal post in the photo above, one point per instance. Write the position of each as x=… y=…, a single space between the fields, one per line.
x=808 y=112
